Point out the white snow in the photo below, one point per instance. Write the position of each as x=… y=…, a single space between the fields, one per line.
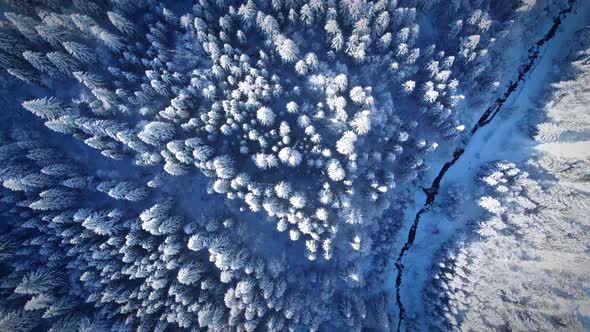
x=506 y=138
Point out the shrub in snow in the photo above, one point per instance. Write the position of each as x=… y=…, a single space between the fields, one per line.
x=335 y=170
x=290 y=156
x=156 y=133
x=345 y=145
x=266 y=116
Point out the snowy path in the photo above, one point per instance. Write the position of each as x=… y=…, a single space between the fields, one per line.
x=535 y=57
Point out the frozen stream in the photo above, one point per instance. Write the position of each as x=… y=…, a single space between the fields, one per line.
x=486 y=118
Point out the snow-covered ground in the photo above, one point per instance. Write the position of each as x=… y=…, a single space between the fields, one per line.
x=508 y=137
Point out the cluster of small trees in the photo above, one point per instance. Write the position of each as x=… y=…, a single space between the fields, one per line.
x=449 y=293
x=501 y=273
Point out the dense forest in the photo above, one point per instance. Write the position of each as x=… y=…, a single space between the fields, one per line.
x=258 y=165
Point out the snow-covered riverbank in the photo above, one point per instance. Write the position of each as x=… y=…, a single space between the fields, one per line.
x=507 y=137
